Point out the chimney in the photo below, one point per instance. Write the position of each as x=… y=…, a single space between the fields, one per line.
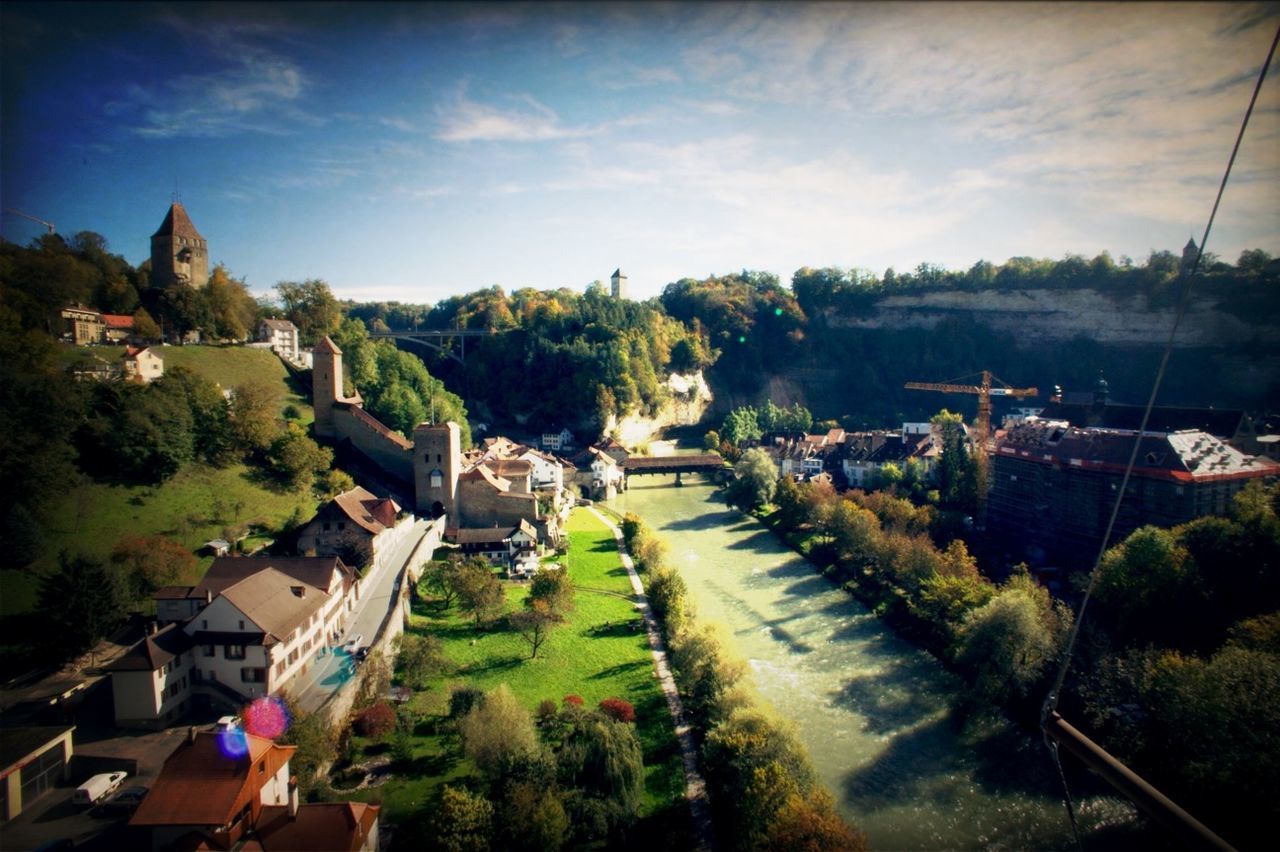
x=153 y=627
x=293 y=797
x=191 y=735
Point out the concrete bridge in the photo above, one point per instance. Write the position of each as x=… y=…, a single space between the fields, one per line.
x=708 y=463
x=441 y=340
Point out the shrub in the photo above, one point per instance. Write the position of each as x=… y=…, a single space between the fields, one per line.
x=376 y=721
x=618 y=709
x=546 y=711
x=575 y=700
x=462 y=699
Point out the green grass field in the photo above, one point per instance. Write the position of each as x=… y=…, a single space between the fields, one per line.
x=601 y=652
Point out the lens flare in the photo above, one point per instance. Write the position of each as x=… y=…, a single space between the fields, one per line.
x=232 y=743
x=266 y=717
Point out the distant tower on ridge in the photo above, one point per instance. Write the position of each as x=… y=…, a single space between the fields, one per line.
x=178 y=252
x=619 y=282
x=1189 y=252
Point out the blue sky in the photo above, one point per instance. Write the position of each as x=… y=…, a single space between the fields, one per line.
x=413 y=152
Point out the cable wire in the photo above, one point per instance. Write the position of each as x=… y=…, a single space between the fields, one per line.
x=1051 y=700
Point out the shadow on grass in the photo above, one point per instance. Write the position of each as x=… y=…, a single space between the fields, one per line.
x=496 y=665
x=620 y=668
x=630 y=627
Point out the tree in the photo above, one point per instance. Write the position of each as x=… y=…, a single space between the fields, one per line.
x=463 y=821
x=438 y=578
x=787 y=497
x=148 y=562
x=311 y=306
x=535 y=623
x=755 y=478
x=255 y=406
x=554 y=589
x=231 y=306
x=498 y=732
x=810 y=824
x=711 y=441
x=618 y=709
x=603 y=758
x=315 y=739
x=296 y=459
x=82 y=602
x=479 y=591
x=959 y=478
x=1008 y=641
x=740 y=426
x=144 y=327
x=1149 y=589
x=376 y=720
x=706 y=674
x=532 y=817
x=420 y=659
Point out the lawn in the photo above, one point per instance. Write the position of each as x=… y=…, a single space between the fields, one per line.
x=601 y=652
x=197 y=504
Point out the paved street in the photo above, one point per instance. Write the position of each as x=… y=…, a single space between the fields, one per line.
x=378 y=590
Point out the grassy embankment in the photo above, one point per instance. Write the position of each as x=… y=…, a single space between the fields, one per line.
x=601 y=652
x=195 y=505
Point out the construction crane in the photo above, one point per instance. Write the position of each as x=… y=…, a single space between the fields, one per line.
x=984 y=392
x=48 y=225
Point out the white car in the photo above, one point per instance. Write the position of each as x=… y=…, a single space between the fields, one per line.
x=226 y=723
x=97 y=787
x=351 y=644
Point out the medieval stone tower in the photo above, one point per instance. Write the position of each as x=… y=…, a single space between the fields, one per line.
x=178 y=252
x=619 y=282
x=326 y=385
x=437 y=461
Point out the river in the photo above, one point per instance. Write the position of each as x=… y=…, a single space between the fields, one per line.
x=872 y=709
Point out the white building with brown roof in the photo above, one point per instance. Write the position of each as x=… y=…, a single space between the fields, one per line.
x=283 y=337
x=142 y=364
x=151 y=683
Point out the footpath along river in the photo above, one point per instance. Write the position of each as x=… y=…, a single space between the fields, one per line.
x=872 y=709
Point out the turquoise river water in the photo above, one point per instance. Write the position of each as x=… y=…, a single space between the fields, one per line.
x=872 y=709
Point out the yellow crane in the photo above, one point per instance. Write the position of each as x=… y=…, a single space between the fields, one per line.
x=984 y=393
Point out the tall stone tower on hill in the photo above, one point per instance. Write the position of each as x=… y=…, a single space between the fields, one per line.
x=437 y=461
x=178 y=252
x=619 y=282
x=326 y=385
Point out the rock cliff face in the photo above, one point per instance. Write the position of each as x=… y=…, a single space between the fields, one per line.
x=1030 y=316
x=690 y=398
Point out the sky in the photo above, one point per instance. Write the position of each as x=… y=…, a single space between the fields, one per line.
x=415 y=151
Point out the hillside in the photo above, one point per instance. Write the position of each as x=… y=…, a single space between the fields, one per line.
x=200 y=502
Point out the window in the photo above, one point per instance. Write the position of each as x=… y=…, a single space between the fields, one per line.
x=341 y=525
x=233 y=652
x=280 y=667
x=253 y=675
x=209 y=650
x=242 y=624
x=437 y=479
x=204 y=624
x=326 y=526
x=262 y=768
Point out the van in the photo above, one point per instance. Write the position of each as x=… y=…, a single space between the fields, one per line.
x=97 y=787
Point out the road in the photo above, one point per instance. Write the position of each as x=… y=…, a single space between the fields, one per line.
x=377 y=591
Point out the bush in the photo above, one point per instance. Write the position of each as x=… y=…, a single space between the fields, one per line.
x=575 y=700
x=618 y=709
x=376 y=721
x=462 y=699
x=546 y=711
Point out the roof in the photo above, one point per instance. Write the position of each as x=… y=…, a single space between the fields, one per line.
x=481 y=535
x=154 y=651
x=617 y=273
x=481 y=472
x=18 y=743
x=279 y=325
x=226 y=571
x=370 y=512
x=510 y=467
x=338 y=826
x=326 y=344
x=177 y=224
x=118 y=321
x=1186 y=456
x=1221 y=422
x=276 y=602
x=199 y=785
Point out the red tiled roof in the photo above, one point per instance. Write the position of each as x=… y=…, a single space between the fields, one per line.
x=177 y=224
x=373 y=514
x=327 y=345
x=123 y=321
x=199 y=785
x=337 y=826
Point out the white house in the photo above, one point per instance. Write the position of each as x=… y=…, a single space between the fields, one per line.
x=151 y=684
x=557 y=441
x=504 y=546
x=283 y=337
x=143 y=365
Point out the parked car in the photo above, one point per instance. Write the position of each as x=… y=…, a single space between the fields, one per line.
x=351 y=644
x=93 y=790
x=361 y=653
x=122 y=801
x=226 y=723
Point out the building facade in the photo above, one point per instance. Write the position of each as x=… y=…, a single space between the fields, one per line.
x=178 y=253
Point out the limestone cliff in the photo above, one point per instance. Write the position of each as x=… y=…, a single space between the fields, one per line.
x=690 y=397
x=1031 y=316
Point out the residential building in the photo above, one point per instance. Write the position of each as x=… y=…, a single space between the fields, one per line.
x=84 y=325
x=356 y=522
x=336 y=826
x=1053 y=486
x=142 y=364
x=598 y=476
x=213 y=790
x=33 y=760
x=151 y=683
x=502 y=546
x=283 y=337
x=117 y=328
x=557 y=442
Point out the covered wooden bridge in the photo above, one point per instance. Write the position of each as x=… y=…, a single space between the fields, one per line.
x=709 y=463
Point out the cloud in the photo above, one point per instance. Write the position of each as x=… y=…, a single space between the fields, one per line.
x=469 y=121
x=256 y=89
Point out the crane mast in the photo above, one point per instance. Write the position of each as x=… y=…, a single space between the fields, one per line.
x=48 y=225
x=984 y=392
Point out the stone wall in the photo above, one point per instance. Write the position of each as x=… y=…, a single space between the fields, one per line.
x=480 y=505
x=375 y=440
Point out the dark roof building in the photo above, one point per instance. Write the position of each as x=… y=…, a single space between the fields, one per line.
x=178 y=253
